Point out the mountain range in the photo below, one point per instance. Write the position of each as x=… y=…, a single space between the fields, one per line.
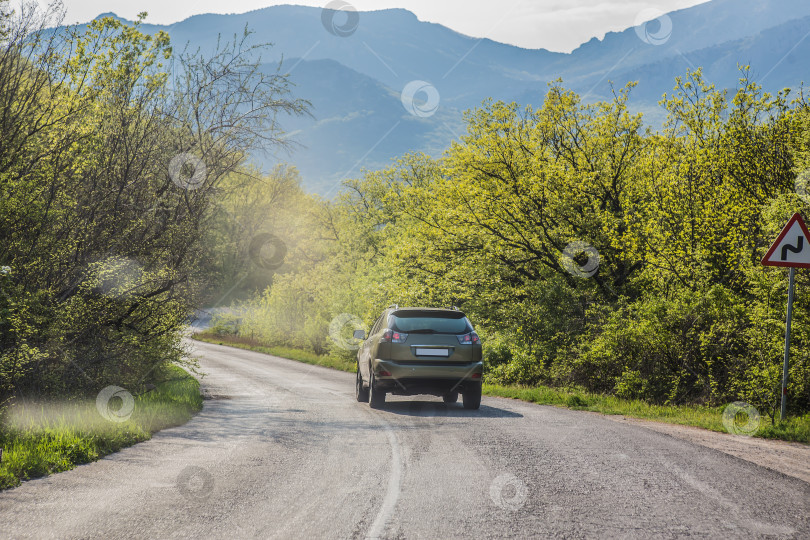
x=354 y=67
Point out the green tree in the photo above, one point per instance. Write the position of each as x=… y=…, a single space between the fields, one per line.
x=109 y=174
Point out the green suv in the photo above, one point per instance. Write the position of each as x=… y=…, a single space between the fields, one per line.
x=420 y=351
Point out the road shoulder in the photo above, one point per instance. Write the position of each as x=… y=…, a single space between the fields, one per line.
x=788 y=458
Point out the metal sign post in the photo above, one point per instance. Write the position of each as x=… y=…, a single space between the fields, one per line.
x=791 y=283
x=790 y=250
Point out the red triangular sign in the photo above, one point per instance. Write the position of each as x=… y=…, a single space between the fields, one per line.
x=792 y=246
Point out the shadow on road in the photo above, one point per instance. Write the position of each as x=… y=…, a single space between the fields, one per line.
x=433 y=409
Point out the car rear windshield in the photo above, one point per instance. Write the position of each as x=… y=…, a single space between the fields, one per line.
x=430 y=322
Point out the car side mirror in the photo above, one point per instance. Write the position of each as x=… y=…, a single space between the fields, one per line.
x=360 y=334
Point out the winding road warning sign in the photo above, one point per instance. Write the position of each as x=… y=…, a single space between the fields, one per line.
x=792 y=246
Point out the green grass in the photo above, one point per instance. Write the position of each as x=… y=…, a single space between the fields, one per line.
x=307 y=357
x=705 y=417
x=39 y=439
x=792 y=429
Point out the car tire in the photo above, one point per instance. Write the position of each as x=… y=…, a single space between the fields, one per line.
x=376 y=396
x=360 y=391
x=450 y=397
x=472 y=396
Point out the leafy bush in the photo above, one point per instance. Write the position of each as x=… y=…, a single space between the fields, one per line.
x=630 y=385
x=664 y=350
x=506 y=362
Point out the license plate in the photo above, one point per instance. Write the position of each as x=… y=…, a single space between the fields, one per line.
x=432 y=352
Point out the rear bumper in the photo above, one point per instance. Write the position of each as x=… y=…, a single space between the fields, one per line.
x=434 y=378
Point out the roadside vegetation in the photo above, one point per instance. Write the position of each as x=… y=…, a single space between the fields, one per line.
x=338 y=362
x=121 y=159
x=795 y=428
x=39 y=438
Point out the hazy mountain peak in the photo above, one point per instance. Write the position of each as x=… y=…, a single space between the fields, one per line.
x=354 y=81
x=111 y=15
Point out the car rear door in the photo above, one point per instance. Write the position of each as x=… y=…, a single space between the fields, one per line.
x=431 y=340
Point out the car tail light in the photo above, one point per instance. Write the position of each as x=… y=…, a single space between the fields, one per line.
x=384 y=373
x=469 y=339
x=390 y=336
x=476 y=375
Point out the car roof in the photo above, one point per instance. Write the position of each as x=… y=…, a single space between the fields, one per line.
x=416 y=308
x=433 y=309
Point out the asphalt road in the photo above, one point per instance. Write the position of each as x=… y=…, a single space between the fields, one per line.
x=282 y=450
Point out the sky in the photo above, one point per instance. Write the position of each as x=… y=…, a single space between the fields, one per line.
x=557 y=25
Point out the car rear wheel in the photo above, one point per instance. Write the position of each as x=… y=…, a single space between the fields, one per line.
x=376 y=396
x=360 y=391
x=472 y=396
x=450 y=397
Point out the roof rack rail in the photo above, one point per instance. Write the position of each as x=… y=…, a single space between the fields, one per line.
x=395 y=306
